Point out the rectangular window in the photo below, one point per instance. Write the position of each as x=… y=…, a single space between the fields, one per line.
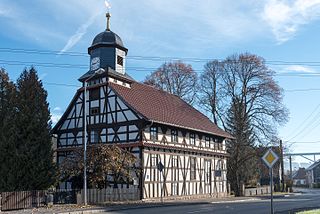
x=218 y=145
x=193 y=168
x=217 y=172
x=174 y=136
x=94 y=137
x=153 y=133
x=154 y=160
x=94 y=111
x=94 y=94
x=192 y=139
x=215 y=144
x=174 y=161
x=174 y=189
x=120 y=60
x=207 y=142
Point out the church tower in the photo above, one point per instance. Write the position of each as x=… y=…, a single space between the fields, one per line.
x=107 y=52
x=161 y=130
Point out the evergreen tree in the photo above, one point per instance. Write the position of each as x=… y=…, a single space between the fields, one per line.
x=33 y=145
x=7 y=133
x=241 y=165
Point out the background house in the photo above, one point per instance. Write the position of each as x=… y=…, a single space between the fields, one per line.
x=300 y=177
x=313 y=174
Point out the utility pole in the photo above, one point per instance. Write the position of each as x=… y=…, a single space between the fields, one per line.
x=290 y=160
x=271 y=184
x=282 y=168
x=85 y=187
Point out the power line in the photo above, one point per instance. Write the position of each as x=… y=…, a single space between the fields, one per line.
x=302 y=90
x=77 y=86
x=84 y=66
x=151 y=58
x=312 y=128
x=62 y=84
x=36 y=51
x=305 y=125
x=303 y=142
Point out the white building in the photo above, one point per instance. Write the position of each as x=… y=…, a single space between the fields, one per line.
x=182 y=153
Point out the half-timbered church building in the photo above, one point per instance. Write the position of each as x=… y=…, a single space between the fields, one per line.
x=181 y=152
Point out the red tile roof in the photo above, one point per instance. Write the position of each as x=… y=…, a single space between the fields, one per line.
x=165 y=108
x=300 y=174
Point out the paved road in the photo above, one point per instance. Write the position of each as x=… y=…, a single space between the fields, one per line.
x=308 y=199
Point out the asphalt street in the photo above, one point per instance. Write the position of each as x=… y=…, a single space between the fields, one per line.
x=282 y=204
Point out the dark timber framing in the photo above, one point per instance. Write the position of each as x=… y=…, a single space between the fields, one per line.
x=112 y=120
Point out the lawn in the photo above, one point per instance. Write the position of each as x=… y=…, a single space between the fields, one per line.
x=310 y=212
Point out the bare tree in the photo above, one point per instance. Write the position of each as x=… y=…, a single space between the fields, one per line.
x=176 y=78
x=250 y=82
x=242 y=94
x=211 y=94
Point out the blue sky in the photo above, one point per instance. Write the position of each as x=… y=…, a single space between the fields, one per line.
x=278 y=30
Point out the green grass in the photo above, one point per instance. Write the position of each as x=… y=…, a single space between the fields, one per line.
x=310 y=212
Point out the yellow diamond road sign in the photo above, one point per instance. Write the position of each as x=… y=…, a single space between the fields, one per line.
x=270 y=158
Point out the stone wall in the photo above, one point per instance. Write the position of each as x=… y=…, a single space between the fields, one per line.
x=257 y=191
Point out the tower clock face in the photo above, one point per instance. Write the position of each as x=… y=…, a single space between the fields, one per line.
x=95 y=63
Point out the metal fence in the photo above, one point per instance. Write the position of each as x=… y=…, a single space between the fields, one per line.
x=37 y=198
x=22 y=200
x=32 y=199
x=100 y=196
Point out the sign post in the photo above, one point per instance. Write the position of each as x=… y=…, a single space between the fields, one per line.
x=270 y=158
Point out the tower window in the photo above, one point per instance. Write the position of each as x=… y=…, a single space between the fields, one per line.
x=120 y=60
x=94 y=94
x=94 y=111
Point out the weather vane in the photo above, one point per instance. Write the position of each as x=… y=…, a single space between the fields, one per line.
x=108 y=15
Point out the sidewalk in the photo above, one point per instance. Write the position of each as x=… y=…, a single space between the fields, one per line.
x=108 y=207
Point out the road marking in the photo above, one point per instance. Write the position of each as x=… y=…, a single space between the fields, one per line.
x=200 y=210
x=237 y=201
x=291 y=200
x=196 y=211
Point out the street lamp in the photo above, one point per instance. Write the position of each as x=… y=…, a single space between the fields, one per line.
x=99 y=71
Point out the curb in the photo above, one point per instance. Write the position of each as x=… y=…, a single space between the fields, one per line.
x=111 y=209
